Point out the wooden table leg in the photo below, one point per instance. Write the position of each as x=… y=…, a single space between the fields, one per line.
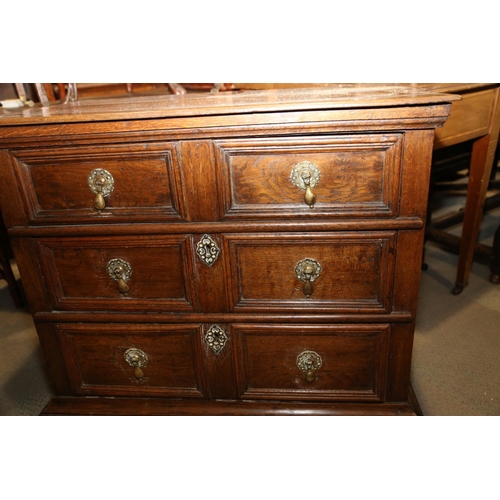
x=483 y=155
x=479 y=177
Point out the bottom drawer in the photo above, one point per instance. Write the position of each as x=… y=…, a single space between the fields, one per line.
x=125 y=360
x=335 y=362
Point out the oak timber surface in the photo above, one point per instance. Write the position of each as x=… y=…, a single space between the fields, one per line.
x=248 y=324
x=160 y=407
x=331 y=97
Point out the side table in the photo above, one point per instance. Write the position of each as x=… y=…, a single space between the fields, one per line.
x=476 y=117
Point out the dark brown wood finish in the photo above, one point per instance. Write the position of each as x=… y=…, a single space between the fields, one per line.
x=356 y=271
x=95 y=357
x=359 y=176
x=146 y=183
x=219 y=106
x=220 y=365
x=31 y=273
x=353 y=362
x=185 y=407
x=224 y=336
x=161 y=274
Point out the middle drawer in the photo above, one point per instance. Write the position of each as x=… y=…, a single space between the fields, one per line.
x=334 y=272
x=316 y=272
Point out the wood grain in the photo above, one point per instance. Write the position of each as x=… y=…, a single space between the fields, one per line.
x=220 y=165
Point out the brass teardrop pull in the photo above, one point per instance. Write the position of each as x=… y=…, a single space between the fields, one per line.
x=101 y=183
x=308 y=288
x=305 y=175
x=309 y=197
x=308 y=270
x=122 y=286
x=138 y=373
x=310 y=376
x=99 y=203
x=137 y=359
x=309 y=362
x=120 y=271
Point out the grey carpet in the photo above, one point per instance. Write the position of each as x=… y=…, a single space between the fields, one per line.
x=455 y=367
x=24 y=386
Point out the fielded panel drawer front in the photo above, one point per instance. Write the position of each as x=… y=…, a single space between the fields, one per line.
x=303 y=362
x=312 y=271
x=129 y=360
x=352 y=175
x=118 y=273
x=95 y=183
x=234 y=253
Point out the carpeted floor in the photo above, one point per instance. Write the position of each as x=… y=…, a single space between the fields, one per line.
x=24 y=386
x=456 y=351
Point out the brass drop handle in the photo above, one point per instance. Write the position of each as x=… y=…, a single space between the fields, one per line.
x=309 y=362
x=101 y=183
x=308 y=270
x=120 y=271
x=308 y=288
x=122 y=286
x=309 y=196
x=305 y=175
x=137 y=359
x=310 y=376
x=99 y=202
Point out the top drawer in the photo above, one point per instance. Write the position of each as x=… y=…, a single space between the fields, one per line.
x=347 y=175
x=101 y=183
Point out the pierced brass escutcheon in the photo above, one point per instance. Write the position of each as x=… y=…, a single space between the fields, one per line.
x=305 y=175
x=120 y=271
x=216 y=338
x=137 y=359
x=309 y=362
x=101 y=183
x=207 y=250
x=307 y=270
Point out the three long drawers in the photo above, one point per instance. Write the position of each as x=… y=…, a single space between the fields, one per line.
x=261 y=249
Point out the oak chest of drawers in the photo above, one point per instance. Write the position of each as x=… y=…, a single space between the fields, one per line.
x=243 y=253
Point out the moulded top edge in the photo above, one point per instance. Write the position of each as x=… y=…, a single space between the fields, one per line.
x=326 y=97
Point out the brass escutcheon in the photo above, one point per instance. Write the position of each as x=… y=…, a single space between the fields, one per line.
x=308 y=270
x=120 y=271
x=207 y=250
x=101 y=183
x=216 y=338
x=137 y=359
x=309 y=362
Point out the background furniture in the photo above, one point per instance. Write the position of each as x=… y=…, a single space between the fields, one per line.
x=475 y=118
x=59 y=91
x=5 y=266
x=255 y=253
x=495 y=258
